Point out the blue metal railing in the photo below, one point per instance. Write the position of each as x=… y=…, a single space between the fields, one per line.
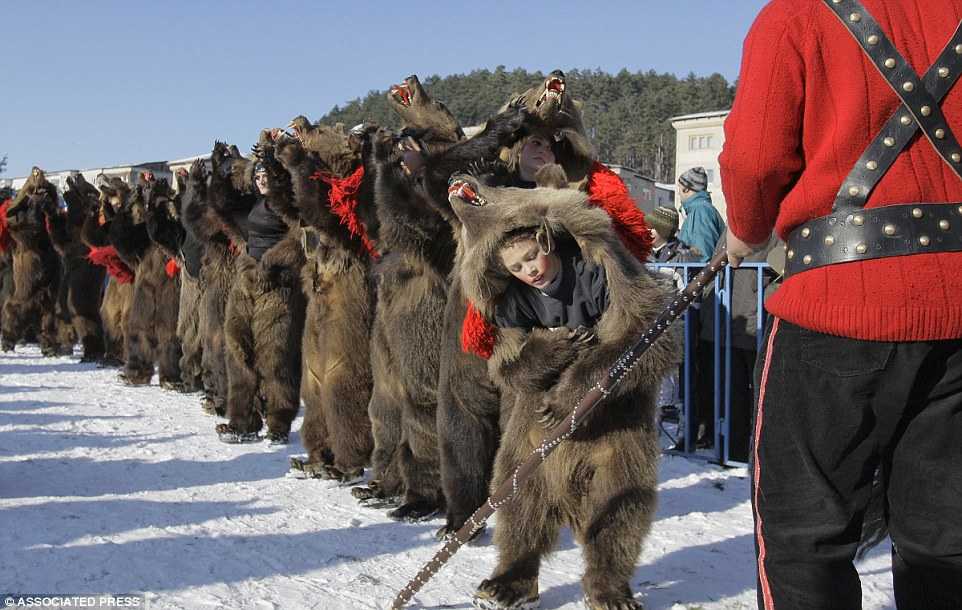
x=722 y=354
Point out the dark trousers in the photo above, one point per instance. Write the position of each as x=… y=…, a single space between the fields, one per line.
x=829 y=412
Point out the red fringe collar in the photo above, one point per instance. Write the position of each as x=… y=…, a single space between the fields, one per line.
x=343 y=203
x=605 y=190
x=106 y=256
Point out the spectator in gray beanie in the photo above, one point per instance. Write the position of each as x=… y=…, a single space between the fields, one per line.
x=703 y=224
x=695 y=179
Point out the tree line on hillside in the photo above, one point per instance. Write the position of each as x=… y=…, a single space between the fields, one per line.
x=626 y=114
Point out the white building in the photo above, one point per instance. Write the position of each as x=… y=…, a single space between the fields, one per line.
x=128 y=173
x=185 y=163
x=698 y=141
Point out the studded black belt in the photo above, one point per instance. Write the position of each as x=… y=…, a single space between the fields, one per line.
x=865 y=234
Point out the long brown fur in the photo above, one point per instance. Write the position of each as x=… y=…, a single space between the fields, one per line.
x=264 y=317
x=213 y=285
x=336 y=383
x=82 y=280
x=601 y=483
x=411 y=292
x=151 y=327
x=36 y=268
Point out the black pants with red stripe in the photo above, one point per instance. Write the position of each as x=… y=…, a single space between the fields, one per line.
x=829 y=412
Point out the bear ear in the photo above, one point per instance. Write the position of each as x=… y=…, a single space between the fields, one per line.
x=545 y=238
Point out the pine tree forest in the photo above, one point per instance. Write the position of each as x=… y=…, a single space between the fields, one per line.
x=626 y=114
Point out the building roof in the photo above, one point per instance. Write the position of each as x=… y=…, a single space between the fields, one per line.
x=622 y=168
x=152 y=165
x=700 y=115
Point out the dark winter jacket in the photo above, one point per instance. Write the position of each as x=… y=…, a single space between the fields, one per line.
x=265 y=228
x=576 y=297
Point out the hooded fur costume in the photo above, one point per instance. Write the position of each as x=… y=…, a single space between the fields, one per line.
x=332 y=196
x=601 y=483
x=150 y=334
x=468 y=405
x=82 y=278
x=265 y=307
x=36 y=267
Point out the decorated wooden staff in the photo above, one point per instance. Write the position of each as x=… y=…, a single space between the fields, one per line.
x=564 y=429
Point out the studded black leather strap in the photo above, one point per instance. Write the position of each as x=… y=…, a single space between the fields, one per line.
x=888 y=230
x=920 y=103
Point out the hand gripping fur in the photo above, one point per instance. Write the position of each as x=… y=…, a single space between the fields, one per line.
x=564 y=429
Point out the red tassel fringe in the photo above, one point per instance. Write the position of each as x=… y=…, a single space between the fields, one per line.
x=172 y=268
x=478 y=336
x=5 y=239
x=605 y=190
x=107 y=256
x=343 y=203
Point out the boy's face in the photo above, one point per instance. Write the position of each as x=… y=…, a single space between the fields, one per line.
x=525 y=261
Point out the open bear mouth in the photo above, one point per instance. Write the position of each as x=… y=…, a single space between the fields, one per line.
x=466 y=193
x=554 y=89
x=402 y=94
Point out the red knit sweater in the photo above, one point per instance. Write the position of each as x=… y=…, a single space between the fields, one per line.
x=808 y=104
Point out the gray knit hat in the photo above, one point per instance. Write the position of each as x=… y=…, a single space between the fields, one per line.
x=695 y=179
x=663 y=220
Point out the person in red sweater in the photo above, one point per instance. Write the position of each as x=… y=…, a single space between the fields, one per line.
x=862 y=370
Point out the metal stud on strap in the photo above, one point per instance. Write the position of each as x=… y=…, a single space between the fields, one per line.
x=920 y=99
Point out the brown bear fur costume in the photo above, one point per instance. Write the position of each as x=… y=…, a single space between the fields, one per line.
x=413 y=288
x=168 y=234
x=150 y=334
x=6 y=279
x=602 y=482
x=215 y=276
x=411 y=291
x=468 y=402
x=36 y=267
x=328 y=180
x=119 y=292
x=264 y=318
x=183 y=252
x=468 y=414
x=81 y=287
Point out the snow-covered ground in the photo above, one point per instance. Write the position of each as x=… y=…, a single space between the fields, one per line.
x=111 y=489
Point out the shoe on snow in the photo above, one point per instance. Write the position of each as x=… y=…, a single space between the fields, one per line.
x=229 y=435
x=625 y=604
x=302 y=469
x=346 y=477
x=277 y=438
x=414 y=511
x=372 y=496
x=487 y=599
x=173 y=386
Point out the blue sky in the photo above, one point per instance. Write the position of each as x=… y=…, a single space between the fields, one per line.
x=98 y=83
